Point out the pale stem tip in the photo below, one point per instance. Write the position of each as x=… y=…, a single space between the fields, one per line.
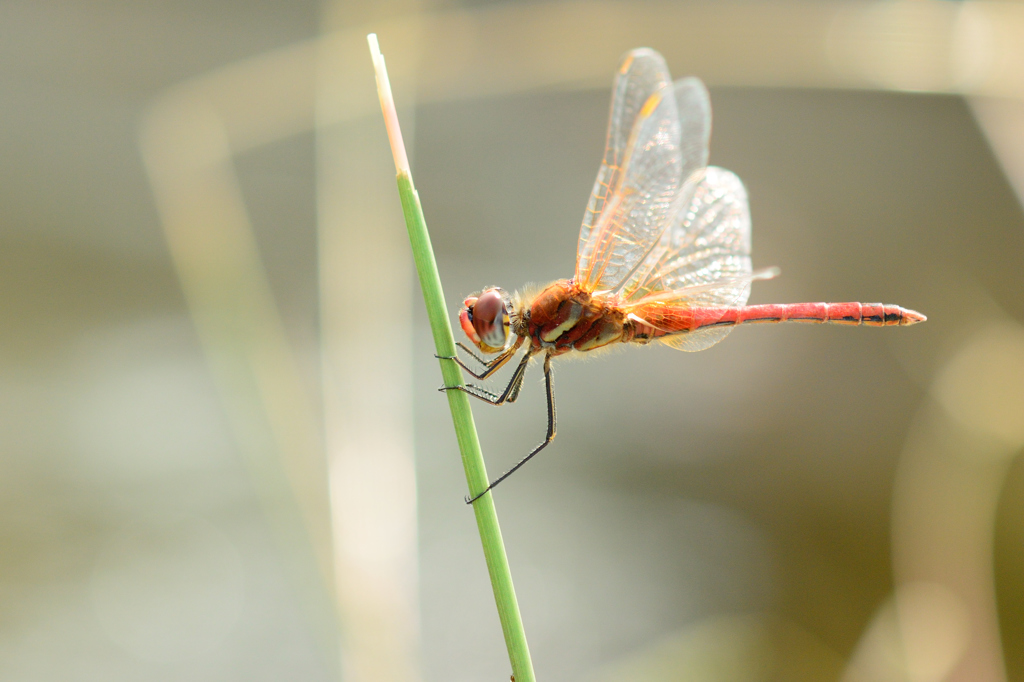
x=387 y=105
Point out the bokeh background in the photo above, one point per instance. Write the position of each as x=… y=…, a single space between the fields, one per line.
x=223 y=456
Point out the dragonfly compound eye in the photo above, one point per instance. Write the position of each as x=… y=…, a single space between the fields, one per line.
x=487 y=318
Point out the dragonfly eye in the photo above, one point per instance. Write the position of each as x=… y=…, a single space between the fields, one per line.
x=487 y=318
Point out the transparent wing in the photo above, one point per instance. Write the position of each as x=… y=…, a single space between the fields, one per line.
x=703 y=259
x=702 y=339
x=643 y=72
x=705 y=255
x=639 y=181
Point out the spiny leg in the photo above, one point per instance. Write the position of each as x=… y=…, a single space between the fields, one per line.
x=470 y=353
x=514 y=393
x=490 y=366
x=510 y=393
x=550 y=385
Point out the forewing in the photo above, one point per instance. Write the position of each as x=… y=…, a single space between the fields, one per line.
x=643 y=72
x=638 y=185
x=703 y=259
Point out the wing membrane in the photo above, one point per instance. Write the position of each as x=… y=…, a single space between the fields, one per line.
x=703 y=259
x=640 y=179
x=643 y=72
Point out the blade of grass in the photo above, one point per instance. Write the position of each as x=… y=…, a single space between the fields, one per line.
x=462 y=416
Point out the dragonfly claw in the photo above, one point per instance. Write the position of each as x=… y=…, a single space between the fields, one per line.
x=471 y=500
x=444 y=357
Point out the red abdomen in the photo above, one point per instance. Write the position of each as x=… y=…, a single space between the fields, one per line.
x=657 y=320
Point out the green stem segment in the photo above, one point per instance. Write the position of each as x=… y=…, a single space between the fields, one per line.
x=465 y=431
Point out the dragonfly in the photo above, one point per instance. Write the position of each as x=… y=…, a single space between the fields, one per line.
x=663 y=253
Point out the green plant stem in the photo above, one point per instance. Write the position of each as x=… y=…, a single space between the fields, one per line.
x=465 y=431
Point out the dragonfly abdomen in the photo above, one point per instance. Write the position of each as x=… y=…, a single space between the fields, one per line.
x=868 y=314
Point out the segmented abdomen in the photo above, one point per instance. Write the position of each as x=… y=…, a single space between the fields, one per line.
x=870 y=314
x=655 y=321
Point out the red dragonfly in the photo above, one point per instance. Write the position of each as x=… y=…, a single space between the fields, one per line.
x=663 y=253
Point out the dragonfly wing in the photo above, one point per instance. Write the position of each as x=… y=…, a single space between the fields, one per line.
x=702 y=339
x=643 y=72
x=708 y=242
x=702 y=260
x=639 y=181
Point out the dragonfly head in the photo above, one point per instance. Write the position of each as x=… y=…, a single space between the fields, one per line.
x=485 y=319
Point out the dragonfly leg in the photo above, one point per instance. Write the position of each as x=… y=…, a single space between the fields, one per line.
x=509 y=395
x=469 y=352
x=477 y=392
x=490 y=366
x=550 y=386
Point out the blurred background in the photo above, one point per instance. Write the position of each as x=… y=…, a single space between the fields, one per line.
x=223 y=456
